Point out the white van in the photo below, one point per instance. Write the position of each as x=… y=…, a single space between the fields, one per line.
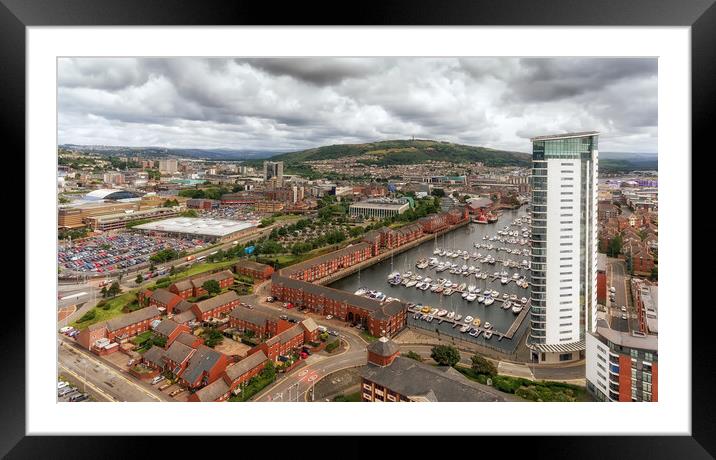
x=157 y=379
x=322 y=329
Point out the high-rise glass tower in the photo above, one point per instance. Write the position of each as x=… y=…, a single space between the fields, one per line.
x=273 y=171
x=564 y=245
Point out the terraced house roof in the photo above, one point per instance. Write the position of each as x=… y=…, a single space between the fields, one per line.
x=219 y=276
x=132 y=318
x=166 y=327
x=178 y=352
x=154 y=355
x=203 y=360
x=245 y=365
x=215 y=302
x=164 y=296
x=252 y=316
x=212 y=391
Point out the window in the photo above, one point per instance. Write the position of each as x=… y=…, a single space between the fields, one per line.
x=566 y=215
x=648 y=357
x=565 y=339
x=565 y=302
x=567 y=200
x=565 y=295
x=566 y=251
x=566 y=317
x=566 y=266
x=565 y=324
x=634 y=353
x=565 y=221
x=565 y=236
x=565 y=287
x=646 y=387
x=566 y=193
x=565 y=207
x=567 y=185
x=565 y=244
x=568 y=178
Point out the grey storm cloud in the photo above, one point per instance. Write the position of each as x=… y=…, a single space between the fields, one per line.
x=294 y=103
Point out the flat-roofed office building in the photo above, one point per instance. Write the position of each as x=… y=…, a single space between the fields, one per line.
x=379 y=208
x=564 y=245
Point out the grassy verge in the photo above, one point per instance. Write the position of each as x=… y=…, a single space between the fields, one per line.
x=112 y=308
x=542 y=391
x=367 y=337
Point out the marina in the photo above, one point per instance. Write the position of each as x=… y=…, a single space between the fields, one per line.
x=477 y=271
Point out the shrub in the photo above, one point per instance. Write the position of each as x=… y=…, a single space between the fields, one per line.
x=412 y=355
x=482 y=366
x=90 y=315
x=332 y=346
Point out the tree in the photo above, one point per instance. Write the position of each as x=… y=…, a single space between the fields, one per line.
x=138 y=279
x=152 y=267
x=172 y=270
x=655 y=273
x=481 y=365
x=412 y=355
x=445 y=355
x=615 y=246
x=438 y=192
x=114 y=289
x=103 y=291
x=211 y=286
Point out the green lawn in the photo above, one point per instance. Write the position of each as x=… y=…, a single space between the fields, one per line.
x=114 y=308
x=351 y=397
x=141 y=338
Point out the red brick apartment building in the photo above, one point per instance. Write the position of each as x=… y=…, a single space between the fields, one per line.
x=192 y=287
x=385 y=238
x=260 y=323
x=378 y=318
x=602 y=278
x=161 y=298
x=120 y=328
x=253 y=269
x=204 y=367
x=288 y=340
x=325 y=265
x=232 y=379
x=436 y=222
x=216 y=306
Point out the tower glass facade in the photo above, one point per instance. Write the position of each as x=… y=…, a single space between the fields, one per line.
x=564 y=241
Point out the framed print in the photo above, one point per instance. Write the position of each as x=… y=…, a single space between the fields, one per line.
x=455 y=207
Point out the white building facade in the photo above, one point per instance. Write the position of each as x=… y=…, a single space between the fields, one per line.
x=564 y=245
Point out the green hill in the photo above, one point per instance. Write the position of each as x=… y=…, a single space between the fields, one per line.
x=401 y=152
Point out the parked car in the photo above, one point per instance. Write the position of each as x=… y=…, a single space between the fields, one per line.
x=131 y=362
x=284 y=317
x=333 y=333
x=624 y=316
x=176 y=392
x=66 y=329
x=158 y=379
x=623 y=308
x=329 y=317
x=304 y=355
x=612 y=289
x=307 y=351
x=61 y=385
x=76 y=398
x=65 y=391
x=269 y=299
x=165 y=386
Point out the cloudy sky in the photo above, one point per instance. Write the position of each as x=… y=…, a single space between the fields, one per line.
x=287 y=104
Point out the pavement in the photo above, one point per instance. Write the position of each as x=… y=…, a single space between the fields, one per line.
x=101 y=377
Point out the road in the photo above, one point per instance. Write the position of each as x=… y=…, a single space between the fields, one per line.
x=102 y=379
x=618 y=277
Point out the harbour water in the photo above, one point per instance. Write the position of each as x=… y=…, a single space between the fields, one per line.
x=463 y=238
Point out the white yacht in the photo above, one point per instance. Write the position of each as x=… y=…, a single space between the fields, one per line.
x=468 y=319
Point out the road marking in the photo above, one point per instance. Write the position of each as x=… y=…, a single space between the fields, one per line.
x=119 y=374
x=87 y=382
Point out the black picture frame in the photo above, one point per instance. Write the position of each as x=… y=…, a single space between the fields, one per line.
x=16 y=15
